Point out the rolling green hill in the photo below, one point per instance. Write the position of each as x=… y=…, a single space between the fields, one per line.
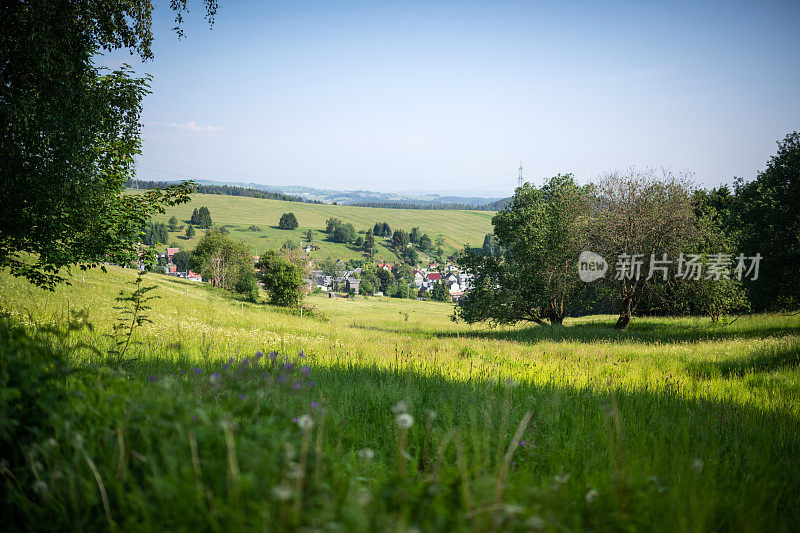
x=458 y=228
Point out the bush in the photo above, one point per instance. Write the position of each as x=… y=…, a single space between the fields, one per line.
x=247 y=284
x=288 y=221
x=282 y=279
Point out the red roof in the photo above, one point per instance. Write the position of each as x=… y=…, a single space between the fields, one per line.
x=434 y=276
x=173 y=251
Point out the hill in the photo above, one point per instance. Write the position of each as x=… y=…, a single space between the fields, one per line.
x=372 y=413
x=237 y=214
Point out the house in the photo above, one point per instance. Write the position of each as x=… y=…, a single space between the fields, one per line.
x=351 y=284
x=193 y=276
x=170 y=253
x=433 y=276
x=385 y=266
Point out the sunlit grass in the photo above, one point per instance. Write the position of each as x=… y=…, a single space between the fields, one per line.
x=674 y=424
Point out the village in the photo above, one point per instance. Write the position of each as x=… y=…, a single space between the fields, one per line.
x=339 y=279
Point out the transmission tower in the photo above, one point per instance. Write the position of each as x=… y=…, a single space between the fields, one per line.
x=519 y=178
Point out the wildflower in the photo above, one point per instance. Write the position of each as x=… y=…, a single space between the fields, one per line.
x=265 y=375
x=225 y=366
x=305 y=422
x=288 y=366
x=310 y=384
x=258 y=356
x=40 y=486
x=245 y=362
x=314 y=404
x=305 y=370
x=281 y=378
x=430 y=415
x=300 y=354
x=214 y=378
x=273 y=355
x=242 y=396
x=152 y=379
x=405 y=420
x=194 y=418
x=198 y=370
x=697 y=465
x=282 y=492
x=591 y=496
x=52 y=442
x=366 y=453
x=562 y=478
x=522 y=443
x=400 y=407
x=297 y=385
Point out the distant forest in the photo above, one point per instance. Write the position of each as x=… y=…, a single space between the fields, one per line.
x=229 y=190
x=494 y=206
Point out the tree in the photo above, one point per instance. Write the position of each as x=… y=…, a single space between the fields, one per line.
x=247 y=284
x=69 y=136
x=282 y=279
x=204 y=215
x=489 y=244
x=173 y=223
x=425 y=243
x=340 y=231
x=639 y=215
x=767 y=211
x=382 y=229
x=439 y=291
x=369 y=243
x=195 y=218
x=414 y=236
x=400 y=240
x=386 y=280
x=309 y=235
x=535 y=278
x=154 y=233
x=183 y=261
x=288 y=221
x=190 y=231
x=221 y=259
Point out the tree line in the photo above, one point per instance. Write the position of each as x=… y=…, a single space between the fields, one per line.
x=229 y=190
x=664 y=246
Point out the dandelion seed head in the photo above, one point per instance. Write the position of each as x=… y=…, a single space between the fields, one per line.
x=591 y=496
x=404 y=420
x=366 y=453
x=305 y=422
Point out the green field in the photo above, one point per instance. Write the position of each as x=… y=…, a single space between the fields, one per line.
x=675 y=424
x=458 y=228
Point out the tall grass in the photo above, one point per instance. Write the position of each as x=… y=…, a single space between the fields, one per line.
x=232 y=416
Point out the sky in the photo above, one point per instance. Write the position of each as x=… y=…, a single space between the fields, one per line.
x=453 y=96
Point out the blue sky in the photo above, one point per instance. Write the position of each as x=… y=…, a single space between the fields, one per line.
x=451 y=96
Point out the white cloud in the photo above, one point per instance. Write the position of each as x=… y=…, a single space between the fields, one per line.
x=189 y=125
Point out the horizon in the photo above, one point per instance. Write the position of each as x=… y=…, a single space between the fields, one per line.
x=449 y=100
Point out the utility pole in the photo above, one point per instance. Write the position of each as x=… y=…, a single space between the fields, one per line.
x=519 y=178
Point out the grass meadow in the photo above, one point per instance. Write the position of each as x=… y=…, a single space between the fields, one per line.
x=238 y=213
x=383 y=414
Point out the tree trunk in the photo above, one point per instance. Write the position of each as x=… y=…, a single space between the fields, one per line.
x=624 y=315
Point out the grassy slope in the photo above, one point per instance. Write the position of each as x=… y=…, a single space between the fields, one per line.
x=457 y=227
x=677 y=424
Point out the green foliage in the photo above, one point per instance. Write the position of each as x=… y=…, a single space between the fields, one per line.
x=190 y=231
x=247 y=284
x=489 y=244
x=282 y=279
x=309 y=236
x=382 y=229
x=254 y=228
x=369 y=242
x=31 y=368
x=767 y=213
x=220 y=259
x=173 y=223
x=400 y=240
x=415 y=235
x=425 y=243
x=183 y=261
x=439 y=292
x=288 y=221
x=201 y=217
x=154 y=234
x=340 y=231
x=132 y=313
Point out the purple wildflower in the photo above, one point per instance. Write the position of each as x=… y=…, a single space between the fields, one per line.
x=242 y=396
x=215 y=376
x=298 y=385
x=306 y=370
x=258 y=356
x=310 y=384
x=300 y=354
x=288 y=366
x=198 y=370
x=522 y=443
x=314 y=404
x=294 y=419
x=245 y=362
x=273 y=355
x=266 y=375
x=281 y=378
x=225 y=366
x=194 y=418
x=152 y=378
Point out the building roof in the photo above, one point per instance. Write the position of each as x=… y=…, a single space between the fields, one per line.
x=434 y=276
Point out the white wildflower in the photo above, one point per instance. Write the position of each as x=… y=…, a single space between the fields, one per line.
x=591 y=496
x=697 y=465
x=405 y=420
x=366 y=453
x=305 y=422
x=431 y=416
